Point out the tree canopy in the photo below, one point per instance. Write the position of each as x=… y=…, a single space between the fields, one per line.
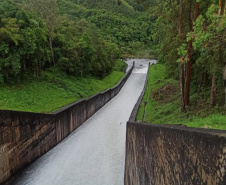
x=79 y=37
x=193 y=33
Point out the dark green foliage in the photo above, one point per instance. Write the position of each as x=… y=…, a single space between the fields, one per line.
x=21 y=48
x=120 y=66
x=54 y=90
x=191 y=42
x=208 y=40
x=164 y=108
x=123 y=24
x=81 y=38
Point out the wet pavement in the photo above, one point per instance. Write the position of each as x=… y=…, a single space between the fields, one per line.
x=94 y=154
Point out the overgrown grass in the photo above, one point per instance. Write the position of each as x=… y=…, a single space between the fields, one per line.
x=166 y=110
x=55 y=90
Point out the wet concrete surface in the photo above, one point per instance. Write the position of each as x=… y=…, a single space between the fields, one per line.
x=95 y=153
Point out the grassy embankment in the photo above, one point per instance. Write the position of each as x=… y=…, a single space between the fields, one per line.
x=55 y=90
x=163 y=104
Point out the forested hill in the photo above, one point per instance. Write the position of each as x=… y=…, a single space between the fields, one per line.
x=123 y=22
x=117 y=6
x=190 y=81
x=80 y=38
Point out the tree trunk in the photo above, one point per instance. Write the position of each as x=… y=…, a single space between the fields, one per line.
x=214 y=86
x=204 y=79
x=51 y=49
x=225 y=97
x=221 y=11
x=181 y=34
x=181 y=22
x=189 y=63
x=188 y=73
x=200 y=84
x=224 y=78
x=182 y=104
x=213 y=98
x=221 y=6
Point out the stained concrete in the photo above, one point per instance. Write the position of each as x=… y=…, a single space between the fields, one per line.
x=26 y=136
x=175 y=155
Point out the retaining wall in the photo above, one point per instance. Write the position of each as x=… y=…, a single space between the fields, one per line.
x=25 y=136
x=175 y=155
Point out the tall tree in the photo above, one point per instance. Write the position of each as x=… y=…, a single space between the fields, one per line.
x=189 y=62
x=48 y=11
x=181 y=33
x=209 y=39
x=214 y=85
x=222 y=9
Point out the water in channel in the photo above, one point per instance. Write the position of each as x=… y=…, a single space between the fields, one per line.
x=94 y=154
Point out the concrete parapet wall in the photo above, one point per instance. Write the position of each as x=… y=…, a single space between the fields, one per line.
x=25 y=136
x=174 y=155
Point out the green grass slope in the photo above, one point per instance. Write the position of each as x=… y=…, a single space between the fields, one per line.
x=163 y=104
x=55 y=90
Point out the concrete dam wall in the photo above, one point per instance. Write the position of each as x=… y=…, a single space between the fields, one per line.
x=26 y=136
x=175 y=155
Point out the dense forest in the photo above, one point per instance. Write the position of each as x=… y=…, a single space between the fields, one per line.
x=85 y=37
x=188 y=85
x=78 y=37
x=192 y=34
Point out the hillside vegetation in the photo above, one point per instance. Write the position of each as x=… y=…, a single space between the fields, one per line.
x=81 y=38
x=162 y=104
x=55 y=89
x=188 y=86
x=124 y=22
x=54 y=52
